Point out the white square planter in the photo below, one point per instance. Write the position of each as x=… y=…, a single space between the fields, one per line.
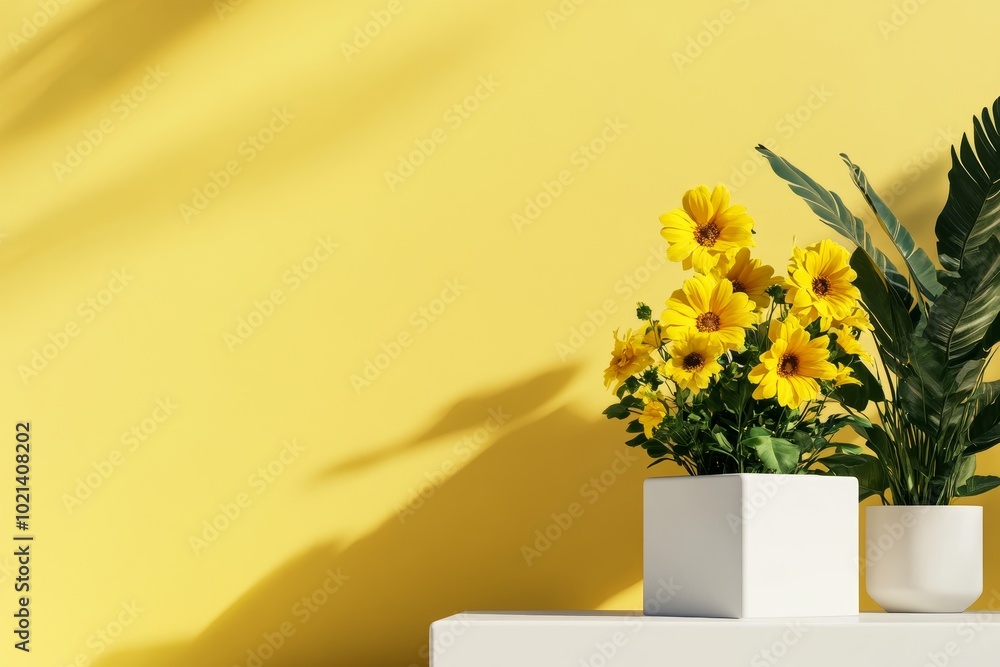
x=750 y=546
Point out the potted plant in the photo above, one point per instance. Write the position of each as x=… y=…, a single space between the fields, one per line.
x=935 y=329
x=733 y=383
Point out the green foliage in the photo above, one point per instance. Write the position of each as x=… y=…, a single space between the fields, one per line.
x=724 y=429
x=935 y=331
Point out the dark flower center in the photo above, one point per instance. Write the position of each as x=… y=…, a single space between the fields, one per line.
x=693 y=361
x=707 y=235
x=708 y=322
x=789 y=365
x=821 y=286
x=739 y=287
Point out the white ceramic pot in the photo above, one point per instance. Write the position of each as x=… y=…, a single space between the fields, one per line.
x=750 y=546
x=924 y=558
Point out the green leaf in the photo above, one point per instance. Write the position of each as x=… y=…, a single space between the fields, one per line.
x=964 y=314
x=844 y=460
x=803 y=441
x=965 y=469
x=617 y=411
x=971 y=216
x=984 y=432
x=776 y=454
x=831 y=210
x=931 y=394
x=922 y=270
x=722 y=440
x=637 y=440
x=978 y=484
x=634 y=427
x=848 y=448
x=868 y=470
x=889 y=316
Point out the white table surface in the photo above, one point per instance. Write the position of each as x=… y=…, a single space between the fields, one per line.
x=628 y=639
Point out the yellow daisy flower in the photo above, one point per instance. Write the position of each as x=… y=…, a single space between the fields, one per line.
x=629 y=357
x=705 y=228
x=851 y=345
x=789 y=370
x=845 y=376
x=652 y=416
x=858 y=319
x=820 y=281
x=706 y=304
x=694 y=361
x=749 y=276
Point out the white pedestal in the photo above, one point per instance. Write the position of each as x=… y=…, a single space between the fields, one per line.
x=625 y=639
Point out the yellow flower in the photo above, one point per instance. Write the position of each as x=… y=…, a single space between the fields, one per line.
x=708 y=305
x=851 y=345
x=845 y=376
x=858 y=319
x=705 y=228
x=749 y=276
x=820 y=281
x=651 y=417
x=629 y=357
x=789 y=370
x=694 y=361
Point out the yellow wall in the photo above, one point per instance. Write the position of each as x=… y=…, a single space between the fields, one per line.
x=478 y=406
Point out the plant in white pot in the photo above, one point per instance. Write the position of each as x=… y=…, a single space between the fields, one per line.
x=733 y=383
x=935 y=330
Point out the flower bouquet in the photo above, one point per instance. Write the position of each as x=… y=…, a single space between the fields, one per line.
x=737 y=373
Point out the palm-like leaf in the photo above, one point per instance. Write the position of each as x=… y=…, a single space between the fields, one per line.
x=921 y=268
x=964 y=314
x=893 y=328
x=971 y=216
x=831 y=210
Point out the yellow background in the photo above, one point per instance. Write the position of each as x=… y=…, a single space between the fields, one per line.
x=882 y=81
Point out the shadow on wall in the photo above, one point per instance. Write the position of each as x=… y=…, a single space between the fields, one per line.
x=72 y=59
x=498 y=534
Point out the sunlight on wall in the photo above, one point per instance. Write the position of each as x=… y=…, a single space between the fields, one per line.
x=308 y=302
